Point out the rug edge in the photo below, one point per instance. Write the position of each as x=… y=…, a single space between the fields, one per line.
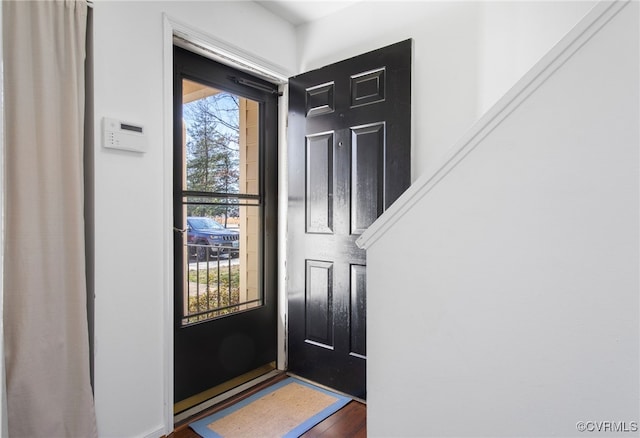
x=202 y=429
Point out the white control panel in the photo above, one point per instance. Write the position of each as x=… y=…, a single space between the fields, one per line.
x=117 y=134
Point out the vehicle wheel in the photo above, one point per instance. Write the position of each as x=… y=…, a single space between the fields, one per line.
x=201 y=251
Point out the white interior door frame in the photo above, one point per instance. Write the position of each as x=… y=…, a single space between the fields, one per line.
x=180 y=34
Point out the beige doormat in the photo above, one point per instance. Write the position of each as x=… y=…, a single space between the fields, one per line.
x=286 y=409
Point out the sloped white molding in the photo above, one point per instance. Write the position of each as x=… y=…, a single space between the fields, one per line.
x=536 y=76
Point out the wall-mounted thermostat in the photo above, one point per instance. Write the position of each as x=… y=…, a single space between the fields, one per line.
x=117 y=134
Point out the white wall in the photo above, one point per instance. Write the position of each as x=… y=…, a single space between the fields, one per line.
x=514 y=36
x=130 y=195
x=466 y=55
x=445 y=62
x=514 y=309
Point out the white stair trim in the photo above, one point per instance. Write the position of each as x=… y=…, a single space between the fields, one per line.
x=536 y=76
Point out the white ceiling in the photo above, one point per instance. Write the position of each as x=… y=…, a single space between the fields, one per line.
x=299 y=12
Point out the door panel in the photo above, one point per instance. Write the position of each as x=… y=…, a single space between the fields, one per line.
x=358 y=310
x=349 y=159
x=318 y=303
x=319 y=183
x=367 y=175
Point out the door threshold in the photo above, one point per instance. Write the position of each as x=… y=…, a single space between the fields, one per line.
x=219 y=394
x=328 y=388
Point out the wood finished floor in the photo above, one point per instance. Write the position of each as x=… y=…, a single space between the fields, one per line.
x=350 y=421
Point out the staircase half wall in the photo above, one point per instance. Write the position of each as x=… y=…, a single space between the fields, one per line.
x=503 y=286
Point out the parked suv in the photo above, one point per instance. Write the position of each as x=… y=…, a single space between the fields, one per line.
x=204 y=234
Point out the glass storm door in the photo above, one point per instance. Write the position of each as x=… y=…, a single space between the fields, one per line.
x=225 y=191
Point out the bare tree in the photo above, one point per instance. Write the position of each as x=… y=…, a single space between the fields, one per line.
x=213 y=156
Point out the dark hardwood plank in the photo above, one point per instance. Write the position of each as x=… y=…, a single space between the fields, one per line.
x=184 y=433
x=350 y=421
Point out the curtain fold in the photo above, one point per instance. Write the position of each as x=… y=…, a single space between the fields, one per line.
x=45 y=317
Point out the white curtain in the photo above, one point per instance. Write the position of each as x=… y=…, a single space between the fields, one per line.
x=45 y=317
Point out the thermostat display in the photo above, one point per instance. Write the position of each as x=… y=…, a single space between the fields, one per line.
x=123 y=135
